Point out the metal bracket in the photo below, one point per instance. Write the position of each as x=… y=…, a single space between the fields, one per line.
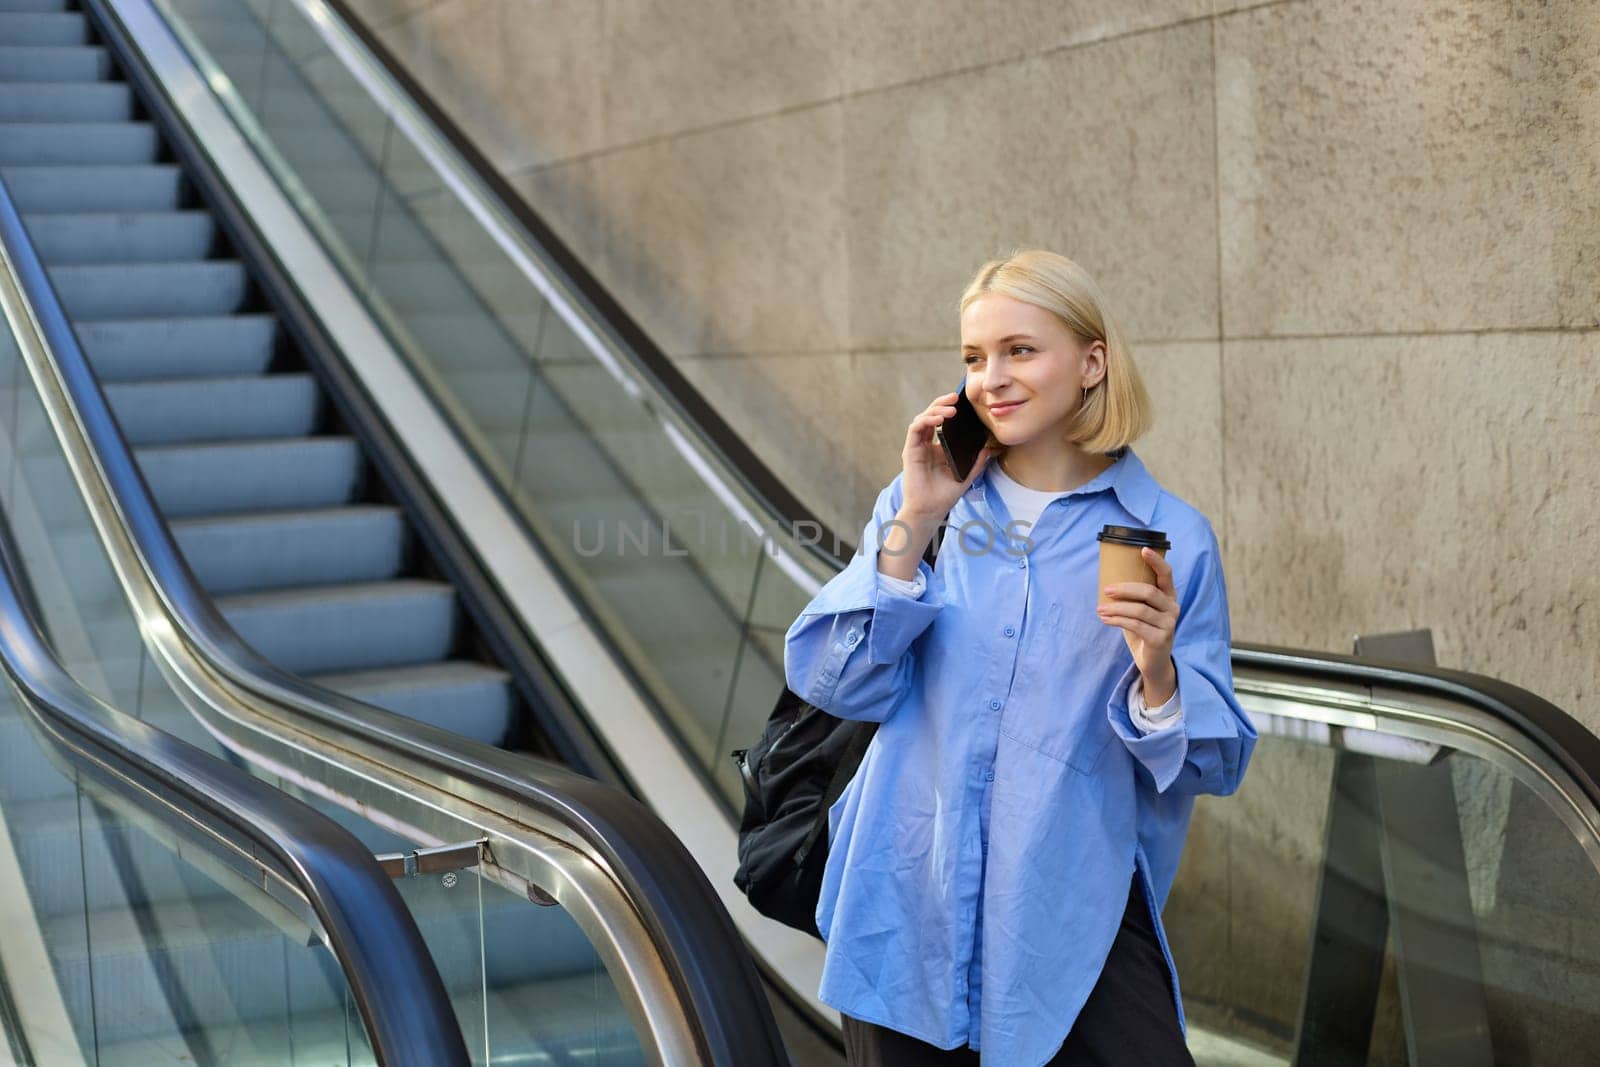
x=437 y=860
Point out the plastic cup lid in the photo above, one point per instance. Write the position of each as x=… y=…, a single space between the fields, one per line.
x=1133 y=535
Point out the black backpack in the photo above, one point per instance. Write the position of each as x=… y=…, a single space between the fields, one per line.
x=796 y=771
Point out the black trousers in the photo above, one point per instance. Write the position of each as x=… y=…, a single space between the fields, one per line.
x=1129 y=1018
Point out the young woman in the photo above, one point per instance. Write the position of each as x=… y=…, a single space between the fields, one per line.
x=998 y=864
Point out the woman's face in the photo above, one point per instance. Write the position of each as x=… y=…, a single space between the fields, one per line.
x=1025 y=369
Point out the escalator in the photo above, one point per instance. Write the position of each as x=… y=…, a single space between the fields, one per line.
x=384 y=419
x=277 y=509
x=161 y=905
x=114 y=255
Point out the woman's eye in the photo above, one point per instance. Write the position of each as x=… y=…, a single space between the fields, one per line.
x=1022 y=348
x=970 y=360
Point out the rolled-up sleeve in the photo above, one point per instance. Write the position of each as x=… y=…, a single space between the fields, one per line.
x=1210 y=751
x=850 y=651
x=1168 y=716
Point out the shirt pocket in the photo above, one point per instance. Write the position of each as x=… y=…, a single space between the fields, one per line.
x=1057 y=710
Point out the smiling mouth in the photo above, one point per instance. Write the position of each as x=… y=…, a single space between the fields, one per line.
x=1005 y=409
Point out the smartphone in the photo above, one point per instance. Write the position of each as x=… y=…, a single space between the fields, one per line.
x=962 y=435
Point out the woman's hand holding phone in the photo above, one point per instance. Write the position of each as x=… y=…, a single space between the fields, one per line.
x=930 y=486
x=930 y=489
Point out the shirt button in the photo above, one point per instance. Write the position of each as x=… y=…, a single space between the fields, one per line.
x=1009 y=631
x=851 y=638
x=994 y=705
x=988 y=777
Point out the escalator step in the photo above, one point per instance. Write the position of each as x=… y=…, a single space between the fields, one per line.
x=43 y=28
x=286 y=549
x=150 y=290
x=150 y=236
x=463 y=696
x=312 y=1037
x=51 y=143
x=225 y=964
x=191 y=410
x=62 y=871
x=64 y=63
x=148 y=187
x=554 y=1021
x=65 y=101
x=347 y=627
x=215 y=956
x=214 y=479
x=136 y=349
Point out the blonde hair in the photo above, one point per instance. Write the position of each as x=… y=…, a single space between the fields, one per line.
x=1117 y=411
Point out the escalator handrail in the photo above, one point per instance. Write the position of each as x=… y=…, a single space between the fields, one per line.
x=1553 y=730
x=1533 y=719
x=372 y=934
x=710 y=971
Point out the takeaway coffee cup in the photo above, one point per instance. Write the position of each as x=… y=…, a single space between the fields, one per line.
x=1121 y=559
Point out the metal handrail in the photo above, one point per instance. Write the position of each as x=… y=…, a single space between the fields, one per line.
x=283 y=842
x=1543 y=726
x=674 y=953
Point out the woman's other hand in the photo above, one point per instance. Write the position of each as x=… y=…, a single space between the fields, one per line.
x=1148 y=616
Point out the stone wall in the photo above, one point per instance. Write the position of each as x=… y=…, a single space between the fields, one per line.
x=1356 y=247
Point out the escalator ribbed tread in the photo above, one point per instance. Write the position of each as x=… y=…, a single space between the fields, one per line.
x=193 y=347
x=259 y=551
x=125 y=237
x=150 y=290
x=222 y=408
x=466 y=697
x=193 y=941
x=555 y=1020
x=79 y=144
x=363 y=626
x=233 y=477
x=23 y=64
x=399 y=588
x=57 y=188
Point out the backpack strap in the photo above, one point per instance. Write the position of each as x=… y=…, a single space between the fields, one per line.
x=849 y=763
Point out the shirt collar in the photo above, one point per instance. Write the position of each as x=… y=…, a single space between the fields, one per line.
x=1127 y=477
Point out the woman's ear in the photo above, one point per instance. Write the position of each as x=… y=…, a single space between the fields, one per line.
x=1098 y=348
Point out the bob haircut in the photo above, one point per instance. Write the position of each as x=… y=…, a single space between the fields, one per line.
x=1117 y=411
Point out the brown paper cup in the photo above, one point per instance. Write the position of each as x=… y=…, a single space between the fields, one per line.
x=1121 y=559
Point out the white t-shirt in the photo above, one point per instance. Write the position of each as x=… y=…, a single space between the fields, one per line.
x=1024 y=504
x=1027 y=505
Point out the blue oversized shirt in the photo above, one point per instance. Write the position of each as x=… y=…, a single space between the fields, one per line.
x=980 y=859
